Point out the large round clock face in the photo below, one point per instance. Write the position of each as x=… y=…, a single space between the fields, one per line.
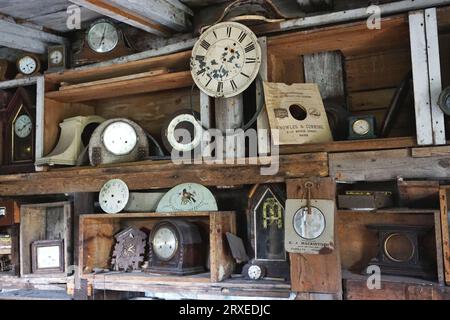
x=309 y=225
x=114 y=196
x=103 y=37
x=23 y=126
x=225 y=60
x=165 y=243
x=27 y=65
x=119 y=138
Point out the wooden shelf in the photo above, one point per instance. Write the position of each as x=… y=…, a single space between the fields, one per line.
x=145 y=215
x=389 y=211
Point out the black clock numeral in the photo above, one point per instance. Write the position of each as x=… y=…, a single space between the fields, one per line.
x=205 y=44
x=250 y=60
x=199 y=57
x=242 y=36
x=201 y=72
x=229 y=32
x=209 y=81
x=250 y=47
x=245 y=75
x=219 y=87
x=233 y=85
x=215 y=34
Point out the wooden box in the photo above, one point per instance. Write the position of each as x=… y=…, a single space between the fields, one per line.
x=365 y=200
x=46 y=221
x=9 y=213
x=96 y=243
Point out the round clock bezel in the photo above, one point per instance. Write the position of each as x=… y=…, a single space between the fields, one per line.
x=296 y=229
x=36 y=61
x=88 y=32
x=177 y=241
x=15 y=124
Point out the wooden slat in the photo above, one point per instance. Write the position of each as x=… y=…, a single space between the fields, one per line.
x=444 y=196
x=162 y=174
x=370 y=100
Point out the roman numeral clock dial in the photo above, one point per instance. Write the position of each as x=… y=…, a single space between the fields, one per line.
x=225 y=60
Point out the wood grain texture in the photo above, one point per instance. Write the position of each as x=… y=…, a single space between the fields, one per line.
x=444 y=196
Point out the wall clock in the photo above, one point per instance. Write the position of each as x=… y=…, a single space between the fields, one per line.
x=28 y=65
x=118 y=140
x=225 y=60
x=47 y=256
x=187 y=197
x=57 y=58
x=129 y=250
x=18 y=124
x=176 y=247
x=114 y=196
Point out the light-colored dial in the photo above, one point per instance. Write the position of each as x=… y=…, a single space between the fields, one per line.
x=187 y=143
x=226 y=59
x=56 y=57
x=165 y=243
x=23 y=126
x=114 y=196
x=254 y=272
x=48 y=257
x=309 y=225
x=361 y=127
x=119 y=138
x=27 y=65
x=103 y=37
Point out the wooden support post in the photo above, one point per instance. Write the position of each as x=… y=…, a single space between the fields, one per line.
x=230 y=115
x=264 y=141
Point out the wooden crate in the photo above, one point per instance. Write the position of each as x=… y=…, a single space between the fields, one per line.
x=96 y=243
x=45 y=221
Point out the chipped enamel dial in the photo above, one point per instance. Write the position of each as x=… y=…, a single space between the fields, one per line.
x=114 y=196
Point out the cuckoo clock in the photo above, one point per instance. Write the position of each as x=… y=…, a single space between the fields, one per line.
x=129 y=250
x=18 y=134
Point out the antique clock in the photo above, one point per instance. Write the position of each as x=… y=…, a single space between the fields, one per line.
x=129 y=250
x=225 y=60
x=28 y=65
x=57 y=58
x=254 y=271
x=18 y=123
x=187 y=197
x=47 y=256
x=176 y=247
x=176 y=140
x=361 y=128
x=114 y=196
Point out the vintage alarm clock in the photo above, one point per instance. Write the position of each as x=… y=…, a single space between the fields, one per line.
x=116 y=141
x=176 y=247
x=57 y=58
x=28 y=65
x=225 y=60
x=361 y=127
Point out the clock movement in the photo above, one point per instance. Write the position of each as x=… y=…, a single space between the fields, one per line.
x=176 y=247
x=129 y=250
x=18 y=133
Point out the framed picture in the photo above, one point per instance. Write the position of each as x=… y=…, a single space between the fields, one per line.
x=47 y=256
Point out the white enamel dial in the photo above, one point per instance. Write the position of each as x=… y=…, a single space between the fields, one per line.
x=361 y=127
x=165 y=243
x=56 y=57
x=254 y=272
x=103 y=37
x=225 y=60
x=114 y=196
x=119 y=138
x=172 y=135
x=309 y=225
x=27 y=65
x=23 y=126
x=48 y=257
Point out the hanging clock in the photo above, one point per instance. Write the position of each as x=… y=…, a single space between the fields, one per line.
x=18 y=123
x=114 y=196
x=176 y=247
x=225 y=60
x=28 y=65
x=129 y=250
x=187 y=197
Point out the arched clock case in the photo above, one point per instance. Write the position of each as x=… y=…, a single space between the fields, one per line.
x=176 y=248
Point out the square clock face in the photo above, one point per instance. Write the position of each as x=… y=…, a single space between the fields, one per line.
x=48 y=257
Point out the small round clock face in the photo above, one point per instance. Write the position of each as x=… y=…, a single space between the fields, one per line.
x=309 y=225
x=103 y=37
x=165 y=243
x=361 y=127
x=23 y=126
x=254 y=272
x=27 y=65
x=56 y=57
x=186 y=143
x=225 y=60
x=119 y=138
x=114 y=196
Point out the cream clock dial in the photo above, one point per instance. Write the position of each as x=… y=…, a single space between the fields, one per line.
x=103 y=37
x=194 y=141
x=48 y=257
x=27 y=65
x=225 y=60
x=309 y=225
x=23 y=126
x=361 y=127
x=119 y=138
x=165 y=243
x=114 y=196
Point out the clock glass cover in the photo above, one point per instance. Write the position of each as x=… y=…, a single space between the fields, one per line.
x=165 y=243
x=27 y=65
x=23 y=126
x=114 y=196
x=103 y=37
x=119 y=138
x=361 y=127
x=309 y=225
x=225 y=60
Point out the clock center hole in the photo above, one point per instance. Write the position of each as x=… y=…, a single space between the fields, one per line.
x=184 y=132
x=298 y=112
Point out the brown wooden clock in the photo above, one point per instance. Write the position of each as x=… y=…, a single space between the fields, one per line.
x=18 y=134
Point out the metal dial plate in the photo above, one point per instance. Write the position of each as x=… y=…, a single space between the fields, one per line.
x=361 y=127
x=23 y=126
x=188 y=197
x=254 y=272
x=27 y=65
x=172 y=134
x=165 y=243
x=309 y=226
x=114 y=196
x=119 y=138
x=103 y=37
x=225 y=60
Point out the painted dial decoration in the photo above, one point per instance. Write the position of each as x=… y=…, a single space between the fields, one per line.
x=361 y=127
x=225 y=60
x=27 y=65
x=309 y=225
x=119 y=138
x=56 y=57
x=177 y=139
x=165 y=243
x=23 y=126
x=103 y=37
x=187 y=197
x=114 y=196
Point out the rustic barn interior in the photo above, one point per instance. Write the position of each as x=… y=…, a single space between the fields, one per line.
x=224 y=150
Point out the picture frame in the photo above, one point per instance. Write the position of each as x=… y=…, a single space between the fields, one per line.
x=47 y=256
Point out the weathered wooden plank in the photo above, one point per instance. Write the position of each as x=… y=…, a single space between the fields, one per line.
x=262 y=123
x=387 y=165
x=444 y=198
x=427 y=152
x=370 y=100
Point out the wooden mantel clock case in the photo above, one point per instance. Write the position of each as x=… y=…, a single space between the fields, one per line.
x=18 y=127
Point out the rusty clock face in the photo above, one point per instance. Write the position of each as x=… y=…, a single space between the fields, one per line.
x=225 y=60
